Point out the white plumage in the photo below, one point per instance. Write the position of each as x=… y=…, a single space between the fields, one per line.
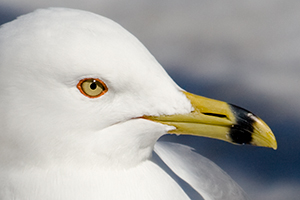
x=58 y=144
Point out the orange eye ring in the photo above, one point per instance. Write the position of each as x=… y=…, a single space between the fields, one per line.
x=92 y=87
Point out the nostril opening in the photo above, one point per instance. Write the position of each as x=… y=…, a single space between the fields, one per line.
x=216 y=115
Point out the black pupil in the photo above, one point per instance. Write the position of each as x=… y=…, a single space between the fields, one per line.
x=93 y=86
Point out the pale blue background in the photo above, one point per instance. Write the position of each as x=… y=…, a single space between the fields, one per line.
x=243 y=52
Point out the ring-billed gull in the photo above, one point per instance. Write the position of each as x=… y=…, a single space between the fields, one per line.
x=83 y=104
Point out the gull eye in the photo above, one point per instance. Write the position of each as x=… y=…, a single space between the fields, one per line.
x=92 y=87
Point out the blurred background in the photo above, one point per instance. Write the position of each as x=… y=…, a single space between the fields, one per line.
x=244 y=52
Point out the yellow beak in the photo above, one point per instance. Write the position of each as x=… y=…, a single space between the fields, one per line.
x=219 y=120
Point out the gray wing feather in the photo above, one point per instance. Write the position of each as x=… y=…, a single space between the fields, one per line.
x=200 y=173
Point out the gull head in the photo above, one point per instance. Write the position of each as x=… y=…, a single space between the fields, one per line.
x=77 y=88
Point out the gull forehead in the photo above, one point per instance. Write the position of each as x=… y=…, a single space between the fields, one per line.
x=81 y=40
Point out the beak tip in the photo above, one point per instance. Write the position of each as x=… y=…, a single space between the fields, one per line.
x=274 y=144
x=265 y=140
x=251 y=129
